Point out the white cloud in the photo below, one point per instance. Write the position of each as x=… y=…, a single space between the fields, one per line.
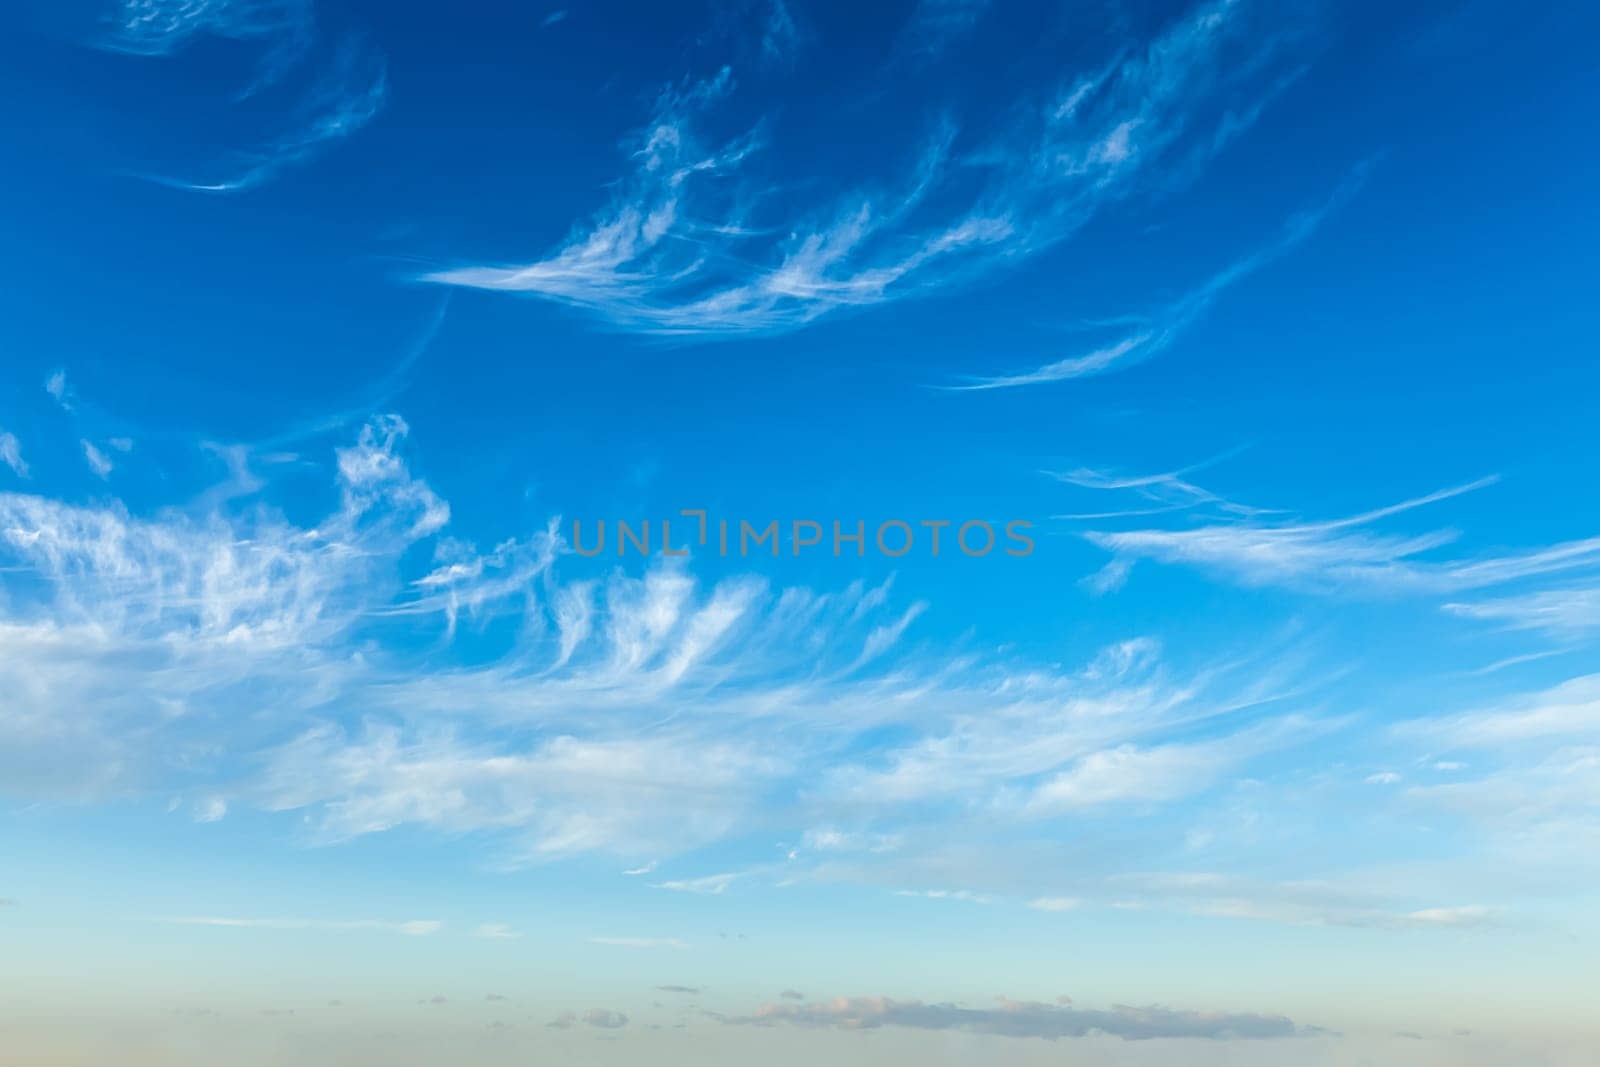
x=98 y=462
x=1299 y=903
x=686 y=246
x=11 y=454
x=210 y=613
x=1338 y=554
x=830 y=839
x=1563 y=613
x=1541 y=811
x=317 y=658
x=639 y=942
x=1468 y=915
x=1527 y=796
x=56 y=385
x=346 y=97
x=1055 y=903
x=1040 y=746
x=338 y=89
x=780 y=36
x=1294 y=914
x=1570 y=709
x=1158 y=330
x=211 y=809
x=160 y=27
x=710 y=885
x=568 y=795
x=633 y=715
x=496 y=932
x=936 y=23
x=1131 y=774
x=964 y=896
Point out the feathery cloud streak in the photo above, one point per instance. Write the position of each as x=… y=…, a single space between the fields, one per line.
x=635 y=715
x=1335 y=555
x=11 y=454
x=161 y=27
x=1563 y=613
x=685 y=248
x=336 y=89
x=1157 y=331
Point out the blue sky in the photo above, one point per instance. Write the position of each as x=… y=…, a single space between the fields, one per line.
x=325 y=322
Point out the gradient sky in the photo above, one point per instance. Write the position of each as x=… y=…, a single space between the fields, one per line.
x=325 y=321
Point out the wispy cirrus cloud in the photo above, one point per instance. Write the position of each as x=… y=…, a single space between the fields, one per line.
x=343 y=99
x=1053 y=747
x=1133 y=774
x=1335 y=555
x=97 y=460
x=496 y=932
x=831 y=839
x=761 y=35
x=964 y=896
x=1569 y=710
x=1304 y=903
x=1563 y=613
x=1055 y=903
x=565 y=794
x=639 y=942
x=237 y=660
x=780 y=35
x=686 y=248
x=934 y=24
x=1156 y=331
x=161 y=27
x=215 y=607
x=1166 y=491
x=1542 y=810
x=633 y=715
x=334 y=86
x=61 y=391
x=708 y=885
x=11 y=454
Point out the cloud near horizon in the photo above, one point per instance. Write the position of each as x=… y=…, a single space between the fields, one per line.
x=1024 y=1019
